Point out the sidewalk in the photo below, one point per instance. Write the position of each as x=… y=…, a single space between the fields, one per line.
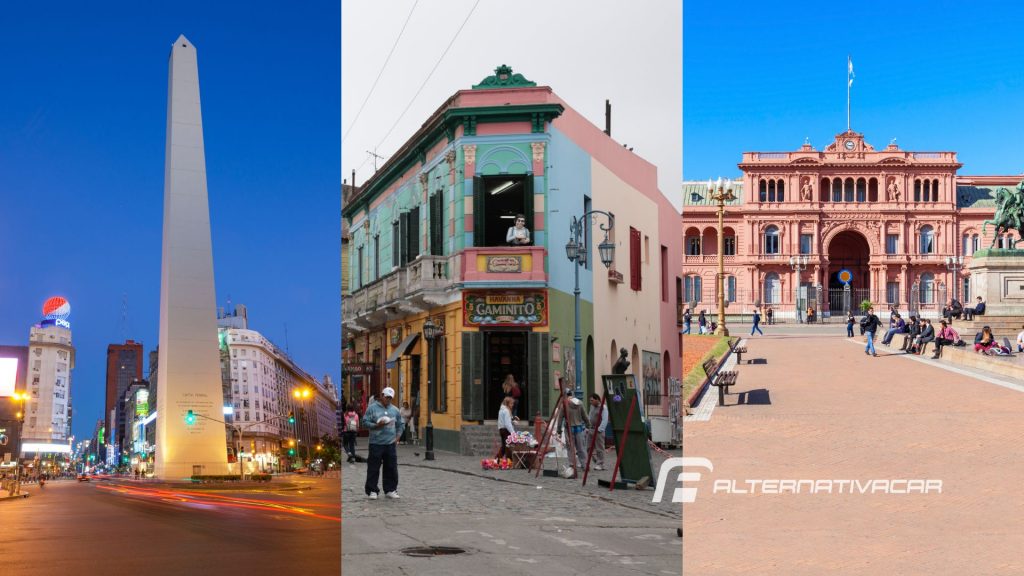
x=412 y=457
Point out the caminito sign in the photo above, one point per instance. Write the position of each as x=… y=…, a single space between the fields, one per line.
x=528 y=308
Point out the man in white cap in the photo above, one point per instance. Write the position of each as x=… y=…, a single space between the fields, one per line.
x=385 y=423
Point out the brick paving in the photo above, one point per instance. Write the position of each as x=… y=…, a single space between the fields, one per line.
x=832 y=412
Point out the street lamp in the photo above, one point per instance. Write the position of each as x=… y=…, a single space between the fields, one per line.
x=20 y=398
x=798 y=264
x=954 y=264
x=576 y=251
x=721 y=193
x=302 y=394
x=431 y=332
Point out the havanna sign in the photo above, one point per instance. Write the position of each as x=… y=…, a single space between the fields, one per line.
x=527 y=308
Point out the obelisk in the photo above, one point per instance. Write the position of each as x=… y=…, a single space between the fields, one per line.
x=189 y=373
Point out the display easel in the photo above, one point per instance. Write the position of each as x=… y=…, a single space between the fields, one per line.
x=561 y=408
x=594 y=439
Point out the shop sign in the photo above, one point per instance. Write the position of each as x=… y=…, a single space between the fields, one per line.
x=505 y=308
x=504 y=264
x=359 y=368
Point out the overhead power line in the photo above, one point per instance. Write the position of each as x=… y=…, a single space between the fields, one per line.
x=427 y=79
x=381 y=72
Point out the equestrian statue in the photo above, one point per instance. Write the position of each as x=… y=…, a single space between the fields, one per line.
x=1009 y=213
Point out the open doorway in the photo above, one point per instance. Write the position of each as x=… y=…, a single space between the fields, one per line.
x=497 y=202
x=506 y=353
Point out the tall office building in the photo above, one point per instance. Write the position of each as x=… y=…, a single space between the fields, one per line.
x=124 y=364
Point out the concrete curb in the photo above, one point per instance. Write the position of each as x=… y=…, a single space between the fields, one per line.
x=21 y=496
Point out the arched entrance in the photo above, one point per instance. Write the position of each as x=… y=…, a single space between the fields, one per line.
x=849 y=250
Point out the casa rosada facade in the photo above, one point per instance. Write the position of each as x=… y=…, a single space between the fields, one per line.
x=427 y=239
x=886 y=221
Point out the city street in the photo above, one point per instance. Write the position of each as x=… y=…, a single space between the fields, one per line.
x=125 y=527
x=508 y=521
x=818 y=408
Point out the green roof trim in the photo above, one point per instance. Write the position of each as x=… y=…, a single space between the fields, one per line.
x=697 y=194
x=503 y=78
x=976 y=196
x=444 y=127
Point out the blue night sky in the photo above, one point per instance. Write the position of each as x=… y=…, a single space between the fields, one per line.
x=82 y=134
x=937 y=76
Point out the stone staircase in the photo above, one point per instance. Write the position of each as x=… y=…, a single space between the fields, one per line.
x=481 y=440
x=1007 y=326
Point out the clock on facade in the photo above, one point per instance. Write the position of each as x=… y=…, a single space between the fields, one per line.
x=849 y=144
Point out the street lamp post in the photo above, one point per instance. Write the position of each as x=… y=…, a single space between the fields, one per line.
x=576 y=251
x=721 y=193
x=21 y=398
x=798 y=264
x=302 y=394
x=954 y=264
x=431 y=332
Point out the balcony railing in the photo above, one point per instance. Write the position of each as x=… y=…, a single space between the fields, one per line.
x=428 y=274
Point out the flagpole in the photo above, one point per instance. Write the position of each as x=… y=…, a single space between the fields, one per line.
x=848 y=92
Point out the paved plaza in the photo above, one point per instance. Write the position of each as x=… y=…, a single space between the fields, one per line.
x=509 y=521
x=818 y=408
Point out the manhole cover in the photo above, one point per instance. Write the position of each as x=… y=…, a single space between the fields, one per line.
x=428 y=551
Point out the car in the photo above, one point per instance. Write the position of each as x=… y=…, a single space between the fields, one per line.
x=83 y=477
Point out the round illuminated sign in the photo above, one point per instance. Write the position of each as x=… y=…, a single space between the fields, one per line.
x=845 y=276
x=56 y=308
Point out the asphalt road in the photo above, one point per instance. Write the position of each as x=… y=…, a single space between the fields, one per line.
x=113 y=528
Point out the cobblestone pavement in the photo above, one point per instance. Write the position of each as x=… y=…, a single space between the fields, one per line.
x=825 y=410
x=508 y=520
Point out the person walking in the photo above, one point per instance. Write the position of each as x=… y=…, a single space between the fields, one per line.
x=757 y=322
x=687 y=321
x=598 y=425
x=870 y=323
x=406 y=413
x=702 y=322
x=769 y=315
x=850 y=321
x=351 y=421
x=386 y=425
x=505 y=427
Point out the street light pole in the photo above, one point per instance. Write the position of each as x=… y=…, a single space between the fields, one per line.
x=577 y=254
x=798 y=264
x=431 y=332
x=953 y=264
x=721 y=193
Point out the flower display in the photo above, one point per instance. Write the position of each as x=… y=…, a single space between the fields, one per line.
x=496 y=464
x=521 y=439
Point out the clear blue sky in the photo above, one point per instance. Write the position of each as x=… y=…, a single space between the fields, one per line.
x=82 y=130
x=937 y=76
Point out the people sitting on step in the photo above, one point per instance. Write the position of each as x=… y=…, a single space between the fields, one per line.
x=978 y=310
x=946 y=337
x=1020 y=341
x=927 y=335
x=984 y=341
x=953 y=309
x=913 y=331
x=897 y=326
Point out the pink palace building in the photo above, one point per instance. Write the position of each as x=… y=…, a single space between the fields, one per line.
x=891 y=219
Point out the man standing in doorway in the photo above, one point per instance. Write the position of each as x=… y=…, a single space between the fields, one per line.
x=386 y=425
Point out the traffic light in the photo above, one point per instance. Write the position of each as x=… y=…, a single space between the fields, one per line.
x=190 y=418
x=291 y=417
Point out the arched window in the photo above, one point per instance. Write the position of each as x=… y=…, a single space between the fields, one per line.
x=848 y=190
x=826 y=189
x=771 y=240
x=782 y=191
x=729 y=244
x=772 y=288
x=730 y=288
x=917 y=190
x=762 y=190
x=935 y=190
x=692 y=243
x=873 y=190
x=965 y=248
x=975 y=243
x=926 y=288
x=927 y=245
x=862 y=190
x=771 y=190
x=837 y=190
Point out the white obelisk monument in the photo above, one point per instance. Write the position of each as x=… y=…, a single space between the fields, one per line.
x=189 y=374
